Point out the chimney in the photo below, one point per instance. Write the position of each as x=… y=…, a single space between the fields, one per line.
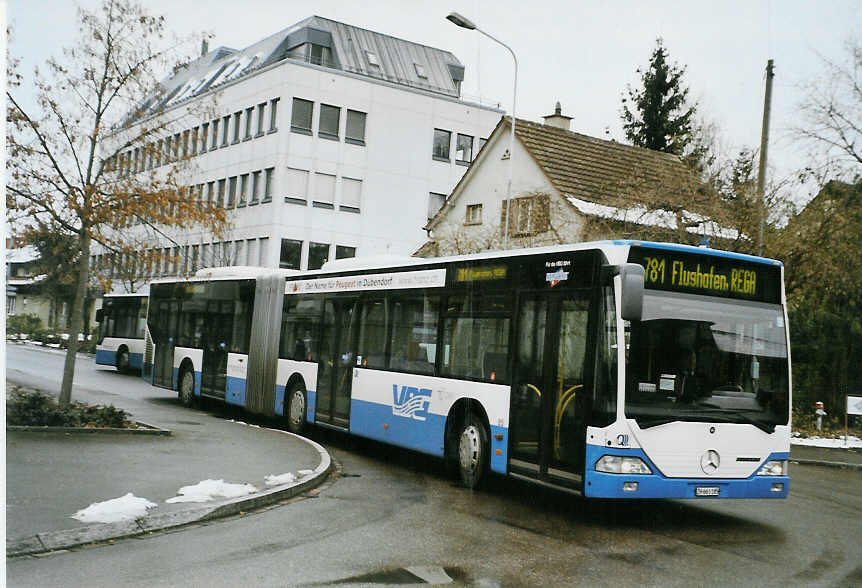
x=558 y=119
x=205 y=47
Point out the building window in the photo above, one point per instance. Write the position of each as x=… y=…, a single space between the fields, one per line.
x=267 y=184
x=464 y=149
x=344 y=252
x=420 y=71
x=273 y=115
x=435 y=203
x=291 y=254
x=255 y=188
x=372 y=58
x=263 y=260
x=351 y=195
x=236 y=120
x=318 y=254
x=355 y=131
x=231 y=192
x=185 y=145
x=214 y=143
x=474 y=214
x=249 y=113
x=243 y=190
x=300 y=117
x=324 y=190
x=442 y=141
x=210 y=194
x=528 y=216
x=221 y=189
x=225 y=128
x=204 y=134
x=329 y=119
x=261 y=108
x=297 y=186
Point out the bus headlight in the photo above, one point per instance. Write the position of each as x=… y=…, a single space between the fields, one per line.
x=616 y=464
x=776 y=467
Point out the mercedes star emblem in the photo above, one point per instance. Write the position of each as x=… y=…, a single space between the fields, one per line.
x=709 y=462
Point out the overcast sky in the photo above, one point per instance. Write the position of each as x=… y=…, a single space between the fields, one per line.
x=579 y=53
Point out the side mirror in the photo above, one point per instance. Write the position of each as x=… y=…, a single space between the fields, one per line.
x=632 y=278
x=100 y=314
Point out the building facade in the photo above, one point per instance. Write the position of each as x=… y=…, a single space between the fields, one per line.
x=322 y=141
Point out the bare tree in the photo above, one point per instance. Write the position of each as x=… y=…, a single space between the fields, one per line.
x=832 y=117
x=70 y=163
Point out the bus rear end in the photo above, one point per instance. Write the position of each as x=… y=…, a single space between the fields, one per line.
x=704 y=392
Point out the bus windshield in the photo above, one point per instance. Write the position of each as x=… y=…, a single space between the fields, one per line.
x=699 y=358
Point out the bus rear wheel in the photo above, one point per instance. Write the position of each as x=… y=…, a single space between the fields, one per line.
x=187 y=388
x=296 y=409
x=472 y=452
x=123 y=360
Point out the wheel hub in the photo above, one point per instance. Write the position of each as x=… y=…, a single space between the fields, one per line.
x=469 y=448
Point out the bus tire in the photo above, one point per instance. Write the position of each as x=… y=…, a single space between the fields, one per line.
x=472 y=451
x=123 y=360
x=186 y=387
x=296 y=406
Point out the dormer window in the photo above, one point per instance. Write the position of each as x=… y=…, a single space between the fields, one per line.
x=372 y=58
x=420 y=71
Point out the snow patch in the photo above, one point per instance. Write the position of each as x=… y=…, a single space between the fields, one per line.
x=839 y=443
x=210 y=490
x=125 y=508
x=304 y=473
x=273 y=480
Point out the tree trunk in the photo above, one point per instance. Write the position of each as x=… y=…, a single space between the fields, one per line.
x=77 y=320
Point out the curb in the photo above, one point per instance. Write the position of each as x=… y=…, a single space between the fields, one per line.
x=96 y=533
x=146 y=429
x=830 y=464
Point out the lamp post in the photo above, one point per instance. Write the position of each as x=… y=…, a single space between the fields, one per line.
x=466 y=23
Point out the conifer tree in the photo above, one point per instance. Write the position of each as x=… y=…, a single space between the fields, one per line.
x=657 y=114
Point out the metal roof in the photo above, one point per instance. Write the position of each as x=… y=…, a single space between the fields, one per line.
x=352 y=49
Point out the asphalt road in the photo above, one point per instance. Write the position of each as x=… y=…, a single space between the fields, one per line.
x=389 y=511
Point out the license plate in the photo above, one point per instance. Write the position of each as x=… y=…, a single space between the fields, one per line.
x=707 y=491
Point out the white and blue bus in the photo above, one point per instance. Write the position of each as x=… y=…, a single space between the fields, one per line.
x=614 y=369
x=122 y=324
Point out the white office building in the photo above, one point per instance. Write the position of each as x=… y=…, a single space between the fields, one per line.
x=327 y=141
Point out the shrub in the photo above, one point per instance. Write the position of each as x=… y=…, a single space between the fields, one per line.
x=31 y=408
x=24 y=325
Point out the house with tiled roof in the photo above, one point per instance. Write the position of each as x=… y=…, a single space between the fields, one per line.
x=568 y=187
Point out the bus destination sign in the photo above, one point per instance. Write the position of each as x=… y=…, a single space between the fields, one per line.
x=706 y=274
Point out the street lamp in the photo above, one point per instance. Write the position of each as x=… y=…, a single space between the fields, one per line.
x=466 y=23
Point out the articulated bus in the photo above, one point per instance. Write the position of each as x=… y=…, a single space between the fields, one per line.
x=122 y=323
x=616 y=369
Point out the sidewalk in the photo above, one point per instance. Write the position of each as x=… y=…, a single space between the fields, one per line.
x=827 y=456
x=51 y=476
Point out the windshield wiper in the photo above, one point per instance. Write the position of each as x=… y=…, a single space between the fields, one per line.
x=712 y=414
x=729 y=416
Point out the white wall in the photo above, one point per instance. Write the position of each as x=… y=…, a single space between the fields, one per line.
x=395 y=165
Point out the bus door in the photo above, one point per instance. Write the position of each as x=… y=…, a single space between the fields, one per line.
x=218 y=331
x=165 y=313
x=335 y=374
x=547 y=435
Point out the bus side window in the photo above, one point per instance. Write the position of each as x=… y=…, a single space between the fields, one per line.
x=373 y=326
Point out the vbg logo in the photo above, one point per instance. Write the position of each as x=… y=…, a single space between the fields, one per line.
x=410 y=402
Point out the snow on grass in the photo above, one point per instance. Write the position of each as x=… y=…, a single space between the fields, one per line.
x=836 y=443
x=210 y=490
x=125 y=508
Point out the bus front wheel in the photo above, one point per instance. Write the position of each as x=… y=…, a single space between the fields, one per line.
x=472 y=452
x=296 y=409
x=187 y=388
